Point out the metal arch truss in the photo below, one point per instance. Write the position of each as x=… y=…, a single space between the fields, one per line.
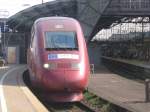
x=103 y=10
x=82 y=15
x=131 y=20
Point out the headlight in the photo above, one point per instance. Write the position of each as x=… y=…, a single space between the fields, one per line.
x=46 y=66
x=50 y=65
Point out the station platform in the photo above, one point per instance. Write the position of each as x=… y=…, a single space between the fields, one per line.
x=118 y=90
x=14 y=95
x=143 y=64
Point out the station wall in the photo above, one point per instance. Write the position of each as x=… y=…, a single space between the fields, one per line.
x=94 y=54
x=15 y=44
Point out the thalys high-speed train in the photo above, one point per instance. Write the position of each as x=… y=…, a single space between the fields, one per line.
x=57 y=58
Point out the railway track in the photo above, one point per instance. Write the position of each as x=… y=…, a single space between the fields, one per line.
x=91 y=103
x=126 y=70
x=70 y=107
x=82 y=106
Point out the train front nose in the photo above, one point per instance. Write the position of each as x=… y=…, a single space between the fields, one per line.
x=67 y=79
x=74 y=81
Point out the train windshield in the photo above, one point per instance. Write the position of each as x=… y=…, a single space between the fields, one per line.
x=61 y=41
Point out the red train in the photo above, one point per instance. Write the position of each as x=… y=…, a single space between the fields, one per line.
x=57 y=58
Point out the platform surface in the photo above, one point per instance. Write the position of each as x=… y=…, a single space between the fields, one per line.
x=118 y=90
x=143 y=64
x=14 y=94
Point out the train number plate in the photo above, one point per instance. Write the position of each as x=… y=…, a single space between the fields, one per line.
x=62 y=56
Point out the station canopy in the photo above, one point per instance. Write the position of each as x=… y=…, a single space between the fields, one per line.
x=23 y=20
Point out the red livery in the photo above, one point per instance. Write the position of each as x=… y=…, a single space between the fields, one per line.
x=57 y=59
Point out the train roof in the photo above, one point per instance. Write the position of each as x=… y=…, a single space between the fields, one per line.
x=55 y=18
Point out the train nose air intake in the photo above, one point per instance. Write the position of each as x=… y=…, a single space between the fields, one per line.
x=67 y=89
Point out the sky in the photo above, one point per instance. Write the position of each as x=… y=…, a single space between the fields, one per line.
x=10 y=7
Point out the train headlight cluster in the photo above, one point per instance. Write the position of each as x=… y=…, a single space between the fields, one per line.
x=46 y=65
x=50 y=65
x=75 y=66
